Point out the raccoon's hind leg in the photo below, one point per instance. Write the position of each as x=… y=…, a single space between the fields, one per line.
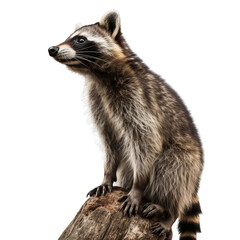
x=164 y=227
x=150 y=210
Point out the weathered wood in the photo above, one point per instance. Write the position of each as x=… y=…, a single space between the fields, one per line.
x=100 y=219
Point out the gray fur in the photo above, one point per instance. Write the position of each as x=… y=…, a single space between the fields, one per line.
x=152 y=146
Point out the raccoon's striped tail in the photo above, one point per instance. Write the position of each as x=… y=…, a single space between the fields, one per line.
x=189 y=223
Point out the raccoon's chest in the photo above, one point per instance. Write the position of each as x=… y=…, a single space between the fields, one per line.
x=123 y=111
x=109 y=111
x=124 y=117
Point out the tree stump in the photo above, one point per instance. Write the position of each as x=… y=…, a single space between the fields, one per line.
x=100 y=219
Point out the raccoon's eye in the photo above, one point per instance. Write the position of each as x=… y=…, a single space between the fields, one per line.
x=81 y=40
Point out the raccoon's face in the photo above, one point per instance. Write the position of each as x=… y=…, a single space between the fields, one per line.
x=92 y=46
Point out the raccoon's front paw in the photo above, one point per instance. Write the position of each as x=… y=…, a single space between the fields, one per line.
x=163 y=231
x=150 y=210
x=100 y=190
x=130 y=203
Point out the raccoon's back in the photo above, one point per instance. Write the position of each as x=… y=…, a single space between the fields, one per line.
x=163 y=103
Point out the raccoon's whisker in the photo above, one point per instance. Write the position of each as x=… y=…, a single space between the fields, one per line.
x=85 y=59
x=89 y=56
x=80 y=62
x=70 y=59
x=89 y=61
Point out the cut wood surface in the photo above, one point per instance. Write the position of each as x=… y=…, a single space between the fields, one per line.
x=100 y=219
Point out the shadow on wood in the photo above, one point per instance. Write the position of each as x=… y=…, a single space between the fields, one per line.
x=100 y=219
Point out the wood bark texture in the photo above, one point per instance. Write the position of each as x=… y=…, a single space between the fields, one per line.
x=100 y=219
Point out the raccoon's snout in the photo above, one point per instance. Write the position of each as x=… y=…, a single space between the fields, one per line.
x=53 y=51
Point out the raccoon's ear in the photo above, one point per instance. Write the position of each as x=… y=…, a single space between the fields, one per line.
x=111 y=21
x=78 y=25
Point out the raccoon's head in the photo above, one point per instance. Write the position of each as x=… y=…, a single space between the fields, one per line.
x=91 y=47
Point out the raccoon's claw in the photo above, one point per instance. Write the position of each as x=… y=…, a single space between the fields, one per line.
x=129 y=206
x=161 y=230
x=100 y=190
x=150 y=210
x=123 y=198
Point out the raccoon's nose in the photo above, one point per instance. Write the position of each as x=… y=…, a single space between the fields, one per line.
x=53 y=51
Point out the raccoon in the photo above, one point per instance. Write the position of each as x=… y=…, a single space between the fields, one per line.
x=152 y=146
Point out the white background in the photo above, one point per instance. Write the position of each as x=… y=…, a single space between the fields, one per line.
x=50 y=152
